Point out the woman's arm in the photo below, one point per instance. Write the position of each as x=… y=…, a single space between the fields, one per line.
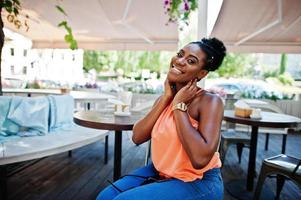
x=201 y=144
x=143 y=128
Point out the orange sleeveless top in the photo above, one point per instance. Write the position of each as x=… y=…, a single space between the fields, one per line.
x=169 y=156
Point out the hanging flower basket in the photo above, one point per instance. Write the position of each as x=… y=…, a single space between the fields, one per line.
x=179 y=10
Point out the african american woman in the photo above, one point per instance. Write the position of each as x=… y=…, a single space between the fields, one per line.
x=184 y=128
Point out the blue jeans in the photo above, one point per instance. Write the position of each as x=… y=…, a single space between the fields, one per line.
x=209 y=187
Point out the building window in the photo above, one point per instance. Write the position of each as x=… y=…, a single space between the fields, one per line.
x=24 y=52
x=24 y=70
x=12 y=51
x=12 y=69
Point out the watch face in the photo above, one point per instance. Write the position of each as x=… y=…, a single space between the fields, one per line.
x=183 y=106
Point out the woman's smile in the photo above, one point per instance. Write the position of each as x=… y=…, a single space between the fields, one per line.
x=176 y=70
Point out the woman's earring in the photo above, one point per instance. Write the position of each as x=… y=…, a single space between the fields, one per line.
x=173 y=87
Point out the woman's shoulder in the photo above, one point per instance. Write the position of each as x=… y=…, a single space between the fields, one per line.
x=206 y=98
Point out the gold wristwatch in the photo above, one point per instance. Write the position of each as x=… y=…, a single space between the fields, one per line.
x=180 y=106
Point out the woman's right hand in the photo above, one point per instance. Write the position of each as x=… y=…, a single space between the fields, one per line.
x=143 y=128
x=168 y=92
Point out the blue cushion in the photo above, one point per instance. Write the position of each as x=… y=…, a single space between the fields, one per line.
x=61 y=111
x=31 y=114
x=7 y=127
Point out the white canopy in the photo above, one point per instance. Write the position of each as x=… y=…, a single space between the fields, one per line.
x=99 y=24
x=263 y=26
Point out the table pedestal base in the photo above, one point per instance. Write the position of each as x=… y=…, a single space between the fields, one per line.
x=117 y=155
x=237 y=189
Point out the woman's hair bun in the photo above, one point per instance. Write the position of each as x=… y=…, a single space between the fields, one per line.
x=215 y=50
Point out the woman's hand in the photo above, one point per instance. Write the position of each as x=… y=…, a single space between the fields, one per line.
x=143 y=128
x=168 y=92
x=187 y=93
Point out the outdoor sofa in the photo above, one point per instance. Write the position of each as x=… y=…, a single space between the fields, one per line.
x=34 y=128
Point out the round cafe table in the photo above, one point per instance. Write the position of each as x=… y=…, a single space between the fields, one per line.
x=108 y=121
x=270 y=120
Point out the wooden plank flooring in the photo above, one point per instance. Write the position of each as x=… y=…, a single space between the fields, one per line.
x=84 y=174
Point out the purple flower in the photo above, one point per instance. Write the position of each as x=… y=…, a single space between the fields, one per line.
x=166 y=2
x=186 y=7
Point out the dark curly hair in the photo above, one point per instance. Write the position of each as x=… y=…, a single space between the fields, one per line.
x=215 y=51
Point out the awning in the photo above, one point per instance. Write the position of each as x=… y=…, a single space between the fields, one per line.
x=260 y=26
x=99 y=24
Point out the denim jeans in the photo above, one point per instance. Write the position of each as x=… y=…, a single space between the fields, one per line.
x=129 y=187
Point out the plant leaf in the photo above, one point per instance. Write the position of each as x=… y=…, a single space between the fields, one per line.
x=17 y=2
x=63 y=23
x=16 y=11
x=59 y=8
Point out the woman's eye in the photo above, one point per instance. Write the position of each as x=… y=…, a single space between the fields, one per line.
x=179 y=54
x=190 y=61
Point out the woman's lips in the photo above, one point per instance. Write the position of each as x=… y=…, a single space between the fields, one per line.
x=175 y=70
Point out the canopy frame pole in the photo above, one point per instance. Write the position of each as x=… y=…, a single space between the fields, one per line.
x=124 y=23
x=292 y=24
x=270 y=25
x=139 y=33
x=202 y=29
x=126 y=11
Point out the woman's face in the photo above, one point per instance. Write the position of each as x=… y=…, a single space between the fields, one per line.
x=187 y=65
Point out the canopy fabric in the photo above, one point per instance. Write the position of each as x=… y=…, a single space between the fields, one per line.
x=260 y=26
x=99 y=24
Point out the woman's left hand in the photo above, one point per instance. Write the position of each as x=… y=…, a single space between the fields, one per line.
x=187 y=93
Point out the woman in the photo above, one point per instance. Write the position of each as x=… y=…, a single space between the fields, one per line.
x=184 y=127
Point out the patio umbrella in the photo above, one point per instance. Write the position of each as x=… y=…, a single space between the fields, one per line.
x=260 y=26
x=99 y=24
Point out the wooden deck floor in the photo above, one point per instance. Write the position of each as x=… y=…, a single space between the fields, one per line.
x=83 y=175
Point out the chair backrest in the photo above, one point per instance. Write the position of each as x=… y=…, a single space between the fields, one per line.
x=296 y=168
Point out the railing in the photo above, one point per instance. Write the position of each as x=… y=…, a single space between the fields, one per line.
x=289 y=107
